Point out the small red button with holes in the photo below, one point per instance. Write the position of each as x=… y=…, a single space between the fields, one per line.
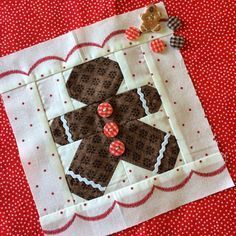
x=111 y=129
x=105 y=109
x=132 y=33
x=157 y=45
x=117 y=148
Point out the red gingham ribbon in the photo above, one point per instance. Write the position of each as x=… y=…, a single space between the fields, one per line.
x=117 y=148
x=105 y=109
x=157 y=45
x=111 y=129
x=132 y=33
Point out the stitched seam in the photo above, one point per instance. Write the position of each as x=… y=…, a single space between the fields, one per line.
x=137 y=203
x=78 y=46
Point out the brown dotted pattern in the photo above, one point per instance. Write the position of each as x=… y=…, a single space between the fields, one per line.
x=94 y=161
x=86 y=121
x=94 y=81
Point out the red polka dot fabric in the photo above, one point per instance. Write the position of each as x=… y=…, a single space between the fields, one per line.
x=208 y=29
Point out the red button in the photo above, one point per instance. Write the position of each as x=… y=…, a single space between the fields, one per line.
x=105 y=109
x=117 y=148
x=111 y=129
x=132 y=33
x=157 y=45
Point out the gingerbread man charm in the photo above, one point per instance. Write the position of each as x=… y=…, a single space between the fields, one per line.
x=151 y=19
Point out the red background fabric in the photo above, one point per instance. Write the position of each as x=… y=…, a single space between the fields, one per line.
x=208 y=29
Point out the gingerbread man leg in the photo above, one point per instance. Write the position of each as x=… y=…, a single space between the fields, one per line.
x=143 y=29
x=156 y=28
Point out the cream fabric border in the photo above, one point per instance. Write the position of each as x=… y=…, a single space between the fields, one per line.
x=159 y=202
x=61 y=47
x=14 y=85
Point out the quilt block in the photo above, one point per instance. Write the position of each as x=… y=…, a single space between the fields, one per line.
x=109 y=129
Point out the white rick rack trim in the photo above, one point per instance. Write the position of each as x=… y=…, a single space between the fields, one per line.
x=143 y=100
x=67 y=129
x=86 y=181
x=161 y=153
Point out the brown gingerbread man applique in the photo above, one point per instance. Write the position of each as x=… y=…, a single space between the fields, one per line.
x=96 y=83
x=151 y=19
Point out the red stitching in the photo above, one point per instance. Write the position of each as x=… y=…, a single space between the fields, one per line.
x=138 y=203
x=98 y=217
x=81 y=45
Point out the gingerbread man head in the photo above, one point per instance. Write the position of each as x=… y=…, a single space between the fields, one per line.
x=151 y=19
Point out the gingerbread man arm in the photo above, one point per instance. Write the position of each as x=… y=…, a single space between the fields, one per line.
x=143 y=27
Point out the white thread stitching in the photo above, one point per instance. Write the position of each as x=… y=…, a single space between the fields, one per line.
x=143 y=100
x=86 y=181
x=161 y=152
x=67 y=130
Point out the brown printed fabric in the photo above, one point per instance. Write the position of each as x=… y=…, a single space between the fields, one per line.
x=83 y=190
x=142 y=144
x=170 y=155
x=93 y=83
x=86 y=121
x=95 y=80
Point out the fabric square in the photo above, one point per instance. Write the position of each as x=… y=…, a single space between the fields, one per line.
x=90 y=182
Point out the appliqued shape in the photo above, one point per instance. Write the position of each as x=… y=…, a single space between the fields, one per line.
x=151 y=19
x=96 y=161
x=177 y=41
x=132 y=33
x=174 y=22
x=143 y=144
x=105 y=109
x=86 y=121
x=111 y=129
x=110 y=132
x=95 y=80
x=157 y=45
x=117 y=148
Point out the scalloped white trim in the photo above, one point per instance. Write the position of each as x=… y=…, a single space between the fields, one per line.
x=67 y=129
x=161 y=152
x=143 y=100
x=86 y=181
